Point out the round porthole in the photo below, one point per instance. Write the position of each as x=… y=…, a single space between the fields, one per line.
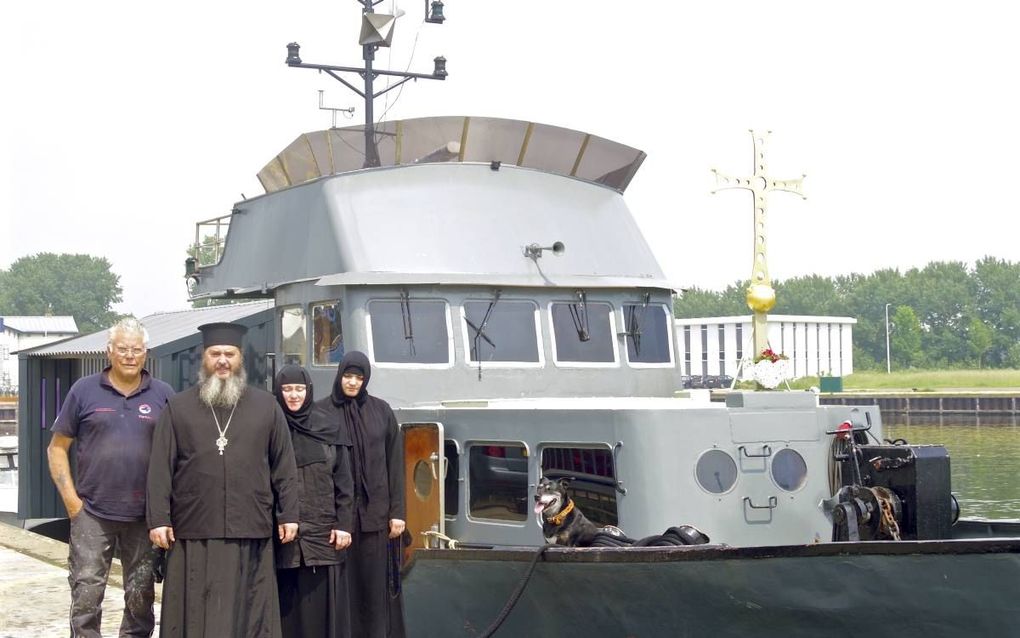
x=423 y=479
x=716 y=471
x=789 y=470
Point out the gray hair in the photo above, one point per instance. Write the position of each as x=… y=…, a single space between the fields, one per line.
x=127 y=326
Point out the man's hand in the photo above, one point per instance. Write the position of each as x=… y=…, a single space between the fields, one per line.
x=162 y=537
x=396 y=527
x=287 y=532
x=339 y=539
x=74 y=508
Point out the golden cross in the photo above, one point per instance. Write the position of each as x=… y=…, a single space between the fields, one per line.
x=761 y=297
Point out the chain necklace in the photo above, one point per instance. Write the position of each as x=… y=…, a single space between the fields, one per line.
x=221 y=442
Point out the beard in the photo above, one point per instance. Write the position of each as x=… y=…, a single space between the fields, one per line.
x=222 y=393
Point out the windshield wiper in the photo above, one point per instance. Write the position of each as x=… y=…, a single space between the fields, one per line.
x=634 y=323
x=405 y=316
x=579 y=315
x=480 y=332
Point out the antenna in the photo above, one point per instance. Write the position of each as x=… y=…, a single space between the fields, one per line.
x=376 y=31
x=348 y=112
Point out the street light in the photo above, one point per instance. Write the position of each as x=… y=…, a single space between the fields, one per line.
x=377 y=31
x=888 y=362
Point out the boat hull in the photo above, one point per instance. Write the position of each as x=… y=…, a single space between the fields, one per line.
x=933 y=588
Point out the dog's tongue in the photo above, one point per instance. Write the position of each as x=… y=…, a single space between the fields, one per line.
x=539 y=506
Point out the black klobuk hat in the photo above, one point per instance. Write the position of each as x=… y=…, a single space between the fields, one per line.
x=222 y=334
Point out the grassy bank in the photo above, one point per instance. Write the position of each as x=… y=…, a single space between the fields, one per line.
x=934 y=380
x=920 y=380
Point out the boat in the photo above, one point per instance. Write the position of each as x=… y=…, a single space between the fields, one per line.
x=520 y=325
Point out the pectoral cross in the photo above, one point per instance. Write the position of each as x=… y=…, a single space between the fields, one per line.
x=221 y=443
x=761 y=297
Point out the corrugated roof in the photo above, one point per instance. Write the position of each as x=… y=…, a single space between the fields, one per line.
x=163 y=327
x=40 y=324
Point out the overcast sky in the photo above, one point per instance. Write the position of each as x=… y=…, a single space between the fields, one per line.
x=124 y=123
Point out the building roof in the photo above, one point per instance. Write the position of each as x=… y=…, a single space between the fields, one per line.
x=40 y=324
x=163 y=328
x=698 y=321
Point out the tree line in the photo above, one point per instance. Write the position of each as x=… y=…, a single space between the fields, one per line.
x=81 y=286
x=945 y=315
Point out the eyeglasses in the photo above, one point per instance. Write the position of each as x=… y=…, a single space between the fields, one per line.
x=123 y=351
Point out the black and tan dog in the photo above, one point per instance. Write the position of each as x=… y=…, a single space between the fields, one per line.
x=562 y=522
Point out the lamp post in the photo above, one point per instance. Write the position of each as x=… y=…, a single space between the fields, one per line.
x=376 y=31
x=888 y=361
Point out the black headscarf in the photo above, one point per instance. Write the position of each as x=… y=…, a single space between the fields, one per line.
x=307 y=434
x=356 y=362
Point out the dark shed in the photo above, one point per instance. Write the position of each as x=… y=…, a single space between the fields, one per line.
x=175 y=355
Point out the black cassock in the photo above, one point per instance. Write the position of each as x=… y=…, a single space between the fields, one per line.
x=220 y=579
x=377 y=460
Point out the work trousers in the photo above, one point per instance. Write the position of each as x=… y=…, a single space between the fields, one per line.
x=92 y=543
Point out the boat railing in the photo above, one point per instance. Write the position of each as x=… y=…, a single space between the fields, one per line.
x=210 y=239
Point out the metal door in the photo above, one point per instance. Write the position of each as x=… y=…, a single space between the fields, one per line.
x=424 y=469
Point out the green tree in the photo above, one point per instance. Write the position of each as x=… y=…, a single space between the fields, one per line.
x=82 y=286
x=695 y=302
x=980 y=338
x=810 y=295
x=905 y=338
x=997 y=296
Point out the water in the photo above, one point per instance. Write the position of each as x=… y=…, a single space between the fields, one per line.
x=985 y=462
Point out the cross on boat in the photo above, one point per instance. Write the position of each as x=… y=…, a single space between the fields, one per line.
x=761 y=297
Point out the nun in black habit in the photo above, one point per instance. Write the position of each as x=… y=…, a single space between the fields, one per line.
x=310 y=574
x=378 y=465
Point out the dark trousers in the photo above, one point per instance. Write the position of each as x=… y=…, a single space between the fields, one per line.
x=92 y=543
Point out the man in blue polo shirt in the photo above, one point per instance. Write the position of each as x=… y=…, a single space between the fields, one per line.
x=111 y=416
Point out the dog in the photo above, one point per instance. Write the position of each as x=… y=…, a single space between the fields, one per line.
x=561 y=521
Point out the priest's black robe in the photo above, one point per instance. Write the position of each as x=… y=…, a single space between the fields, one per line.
x=222 y=510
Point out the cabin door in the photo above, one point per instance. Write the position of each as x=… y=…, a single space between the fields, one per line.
x=424 y=467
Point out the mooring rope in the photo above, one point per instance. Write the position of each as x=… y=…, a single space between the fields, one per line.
x=508 y=607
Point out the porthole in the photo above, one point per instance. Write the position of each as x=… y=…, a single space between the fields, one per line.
x=789 y=470
x=716 y=471
x=423 y=479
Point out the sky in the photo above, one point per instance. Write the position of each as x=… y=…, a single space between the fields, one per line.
x=124 y=123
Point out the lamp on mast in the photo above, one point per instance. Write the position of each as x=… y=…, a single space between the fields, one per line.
x=376 y=31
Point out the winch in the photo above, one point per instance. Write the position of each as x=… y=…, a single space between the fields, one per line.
x=892 y=491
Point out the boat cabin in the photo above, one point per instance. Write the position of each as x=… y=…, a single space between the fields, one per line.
x=518 y=321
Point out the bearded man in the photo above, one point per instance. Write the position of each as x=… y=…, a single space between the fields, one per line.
x=222 y=468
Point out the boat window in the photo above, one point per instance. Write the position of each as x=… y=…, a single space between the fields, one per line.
x=593 y=484
x=409 y=330
x=647 y=329
x=716 y=471
x=452 y=480
x=501 y=330
x=583 y=332
x=327 y=334
x=292 y=340
x=498 y=487
x=789 y=470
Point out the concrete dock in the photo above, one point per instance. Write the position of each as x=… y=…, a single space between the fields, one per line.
x=34 y=594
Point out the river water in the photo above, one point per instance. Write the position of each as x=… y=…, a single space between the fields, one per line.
x=984 y=461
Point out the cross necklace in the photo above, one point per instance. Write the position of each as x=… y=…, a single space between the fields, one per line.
x=221 y=442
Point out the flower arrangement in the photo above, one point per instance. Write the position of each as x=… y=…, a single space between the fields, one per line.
x=768 y=354
x=769 y=368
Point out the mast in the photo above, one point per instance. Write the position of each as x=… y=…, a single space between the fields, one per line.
x=376 y=32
